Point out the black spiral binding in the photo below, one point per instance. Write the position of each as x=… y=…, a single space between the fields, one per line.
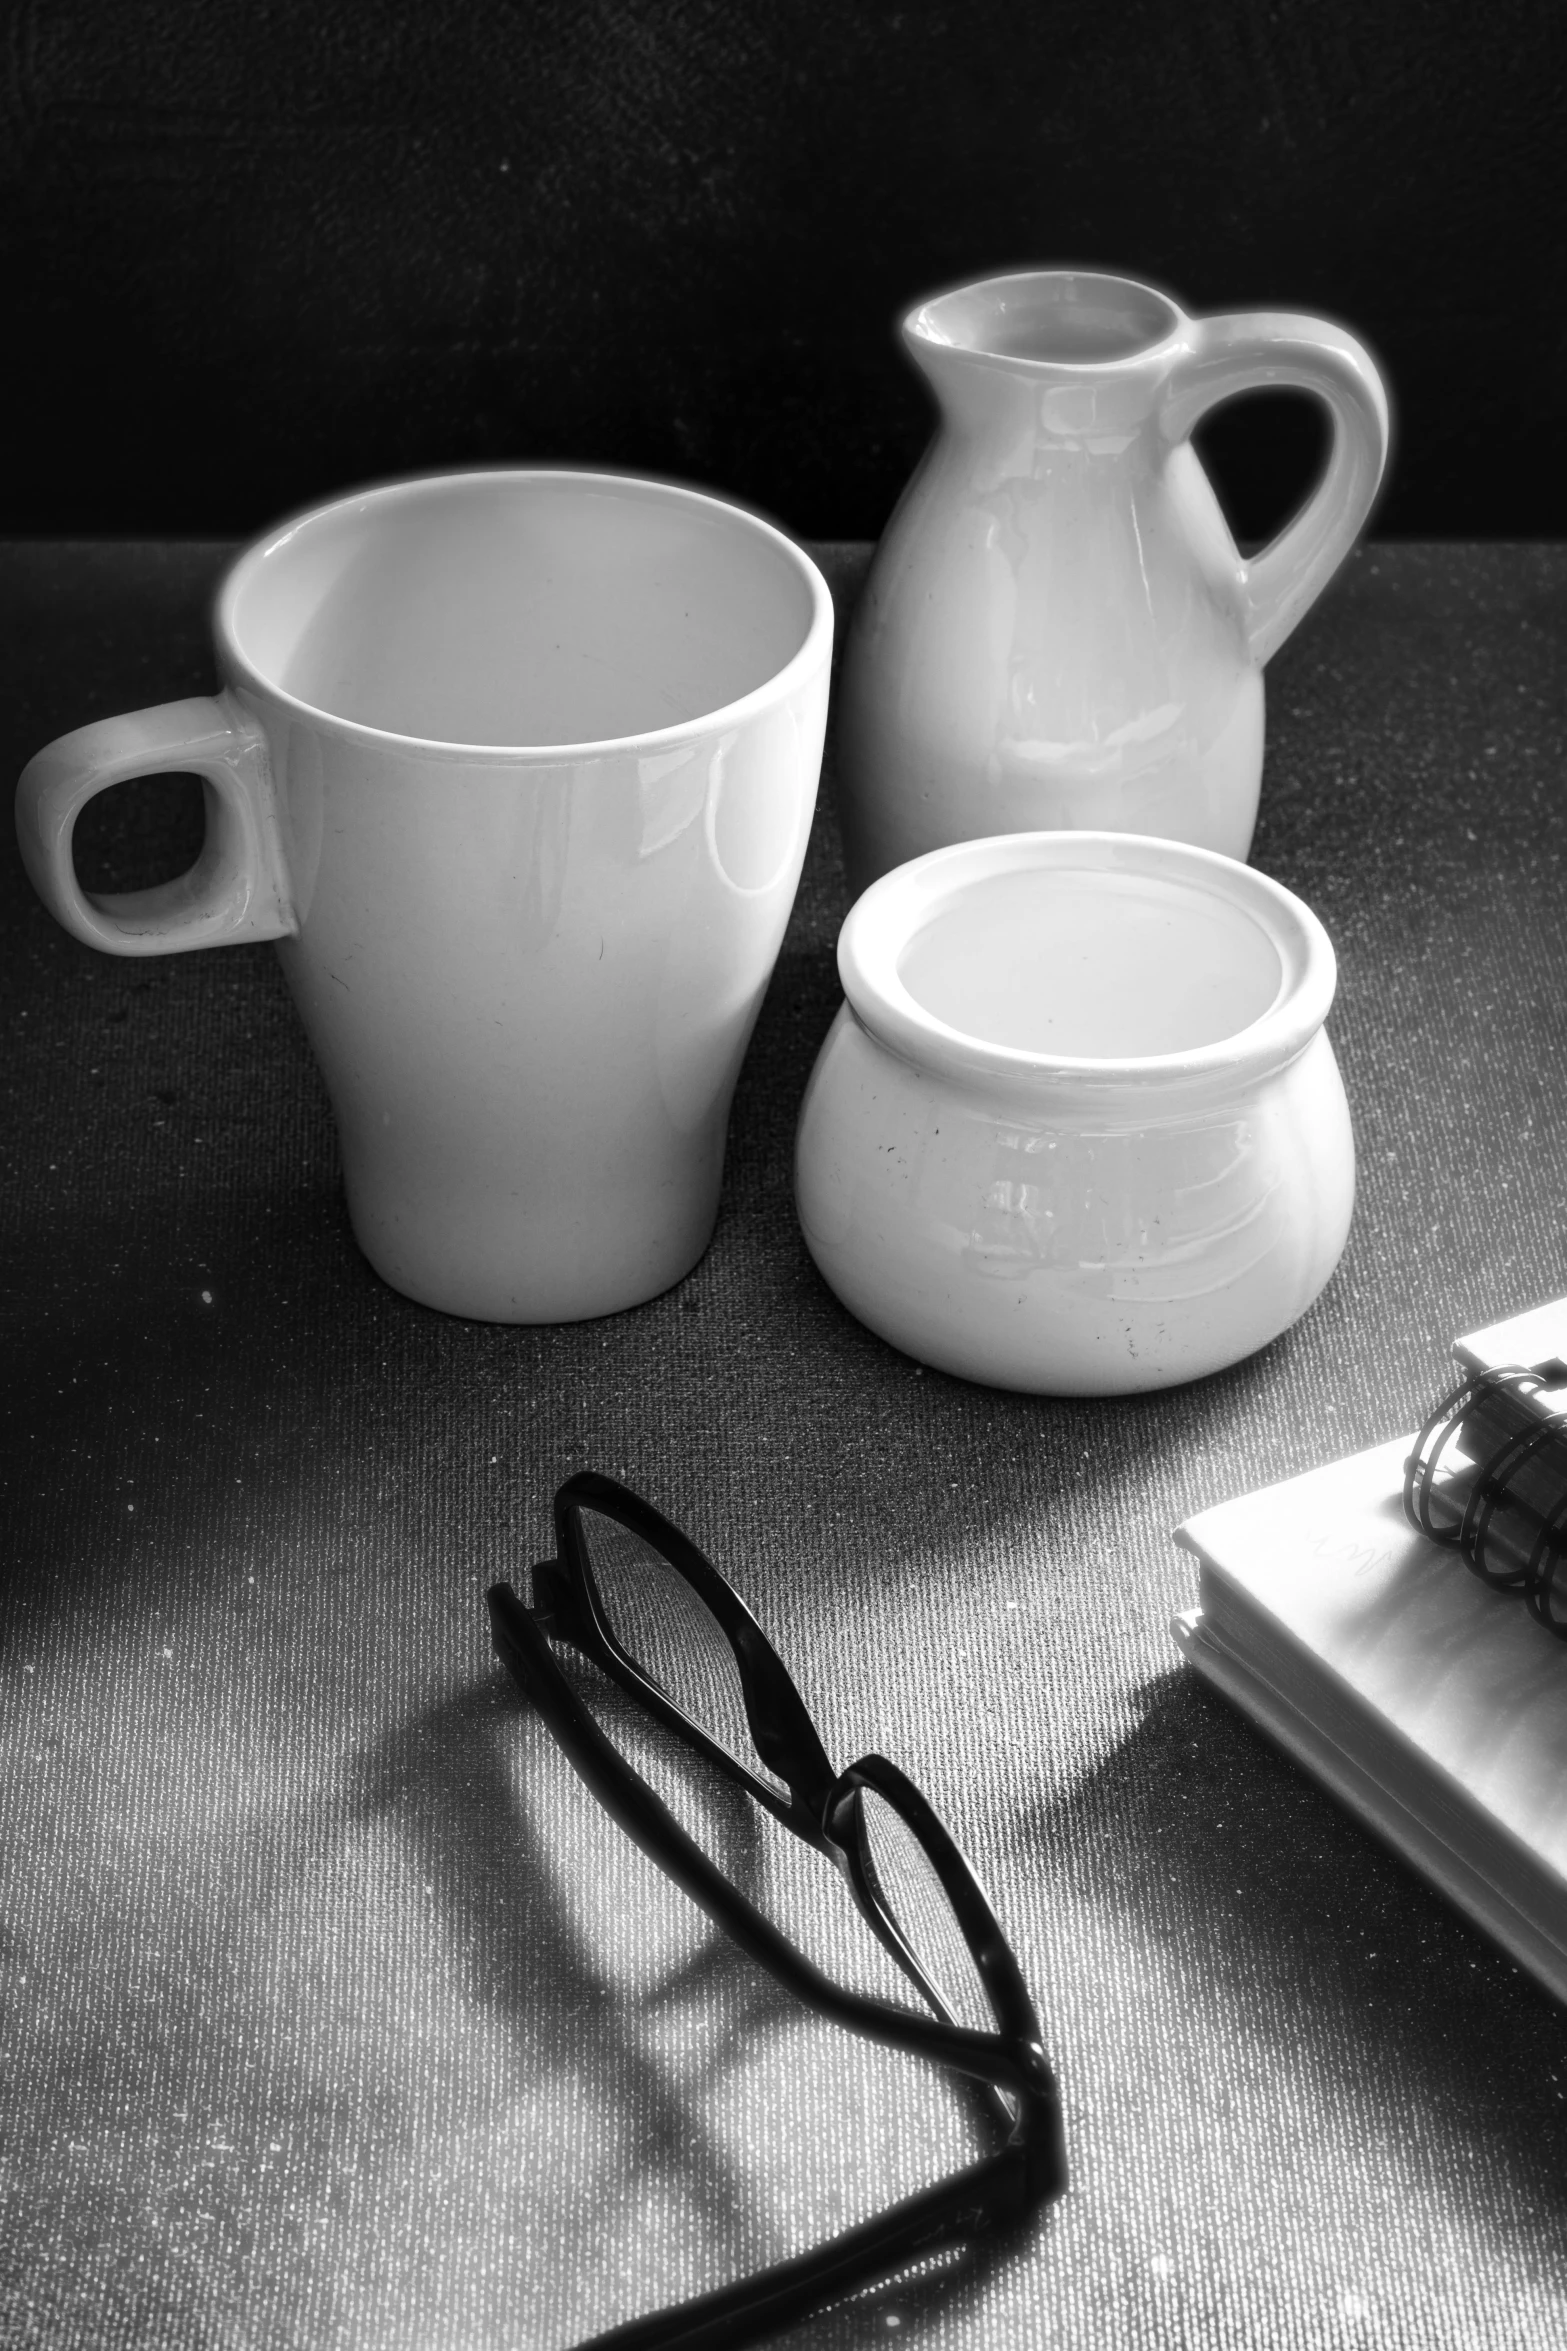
x=1488 y=1476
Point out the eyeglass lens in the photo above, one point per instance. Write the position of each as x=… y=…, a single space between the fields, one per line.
x=905 y=1879
x=674 y=1638
x=671 y=1634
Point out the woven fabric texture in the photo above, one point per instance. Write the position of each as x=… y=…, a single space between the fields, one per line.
x=332 y=2013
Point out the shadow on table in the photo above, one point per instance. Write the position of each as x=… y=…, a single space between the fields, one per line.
x=470 y=1797
x=1305 y=1931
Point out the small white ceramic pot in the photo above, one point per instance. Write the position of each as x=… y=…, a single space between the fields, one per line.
x=1078 y=1128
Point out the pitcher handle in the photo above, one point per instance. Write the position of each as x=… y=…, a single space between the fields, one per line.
x=1263 y=350
x=238 y=887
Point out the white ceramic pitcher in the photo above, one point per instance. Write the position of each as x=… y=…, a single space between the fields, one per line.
x=1058 y=631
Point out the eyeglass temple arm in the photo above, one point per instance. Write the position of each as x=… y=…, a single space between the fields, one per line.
x=651 y=1826
x=985 y=2195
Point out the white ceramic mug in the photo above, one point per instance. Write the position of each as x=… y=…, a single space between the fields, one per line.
x=1078 y=1127
x=518 y=770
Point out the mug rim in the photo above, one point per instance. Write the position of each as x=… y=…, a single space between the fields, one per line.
x=883 y=922
x=918 y=321
x=815 y=647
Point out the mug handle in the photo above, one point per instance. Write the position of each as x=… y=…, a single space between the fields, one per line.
x=1263 y=350
x=238 y=887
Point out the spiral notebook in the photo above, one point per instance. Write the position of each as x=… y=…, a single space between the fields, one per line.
x=1432 y=1703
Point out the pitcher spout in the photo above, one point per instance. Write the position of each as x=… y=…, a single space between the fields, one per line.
x=1082 y=354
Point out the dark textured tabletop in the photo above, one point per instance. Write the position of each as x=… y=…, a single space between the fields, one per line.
x=332 y=2012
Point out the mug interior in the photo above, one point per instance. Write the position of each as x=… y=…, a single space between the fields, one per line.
x=522 y=610
x=1065 y=317
x=1092 y=965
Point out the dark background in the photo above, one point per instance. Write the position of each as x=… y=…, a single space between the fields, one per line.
x=256 y=250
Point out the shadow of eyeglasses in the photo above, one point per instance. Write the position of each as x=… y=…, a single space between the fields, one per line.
x=611 y=1987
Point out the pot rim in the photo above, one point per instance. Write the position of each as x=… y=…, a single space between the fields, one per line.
x=882 y=923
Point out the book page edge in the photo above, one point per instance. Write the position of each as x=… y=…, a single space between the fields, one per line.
x=1532 y=1947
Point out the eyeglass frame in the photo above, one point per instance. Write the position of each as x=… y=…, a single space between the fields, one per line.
x=822 y=1807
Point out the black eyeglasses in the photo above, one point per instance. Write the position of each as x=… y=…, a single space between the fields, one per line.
x=634 y=1596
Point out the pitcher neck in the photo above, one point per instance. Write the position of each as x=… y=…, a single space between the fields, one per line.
x=1080 y=356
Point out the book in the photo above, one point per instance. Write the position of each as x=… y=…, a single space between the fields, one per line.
x=1430 y=1701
